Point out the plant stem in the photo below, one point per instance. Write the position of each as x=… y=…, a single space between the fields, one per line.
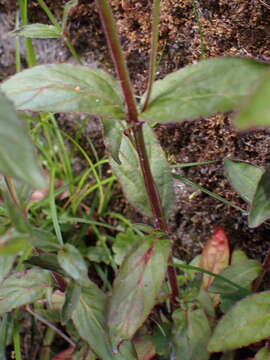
x=29 y=49
x=153 y=51
x=12 y=192
x=46 y=352
x=113 y=41
x=265 y=268
x=17 y=342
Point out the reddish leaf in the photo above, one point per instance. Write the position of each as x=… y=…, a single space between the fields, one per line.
x=215 y=255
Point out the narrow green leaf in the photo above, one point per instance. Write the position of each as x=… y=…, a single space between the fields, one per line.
x=17 y=157
x=243 y=177
x=130 y=175
x=72 y=262
x=23 y=288
x=72 y=298
x=89 y=320
x=12 y=245
x=191 y=333
x=260 y=207
x=38 y=31
x=65 y=88
x=257 y=109
x=199 y=90
x=263 y=354
x=136 y=287
x=245 y=323
x=113 y=132
x=242 y=274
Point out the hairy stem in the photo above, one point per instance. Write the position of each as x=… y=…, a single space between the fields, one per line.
x=113 y=41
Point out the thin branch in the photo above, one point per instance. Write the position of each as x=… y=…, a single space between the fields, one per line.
x=50 y=325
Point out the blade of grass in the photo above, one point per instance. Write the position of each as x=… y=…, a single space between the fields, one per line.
x=53 y=208
x=208 y=192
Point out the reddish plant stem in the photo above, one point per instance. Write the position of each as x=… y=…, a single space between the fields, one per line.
x=113 y=41
x=265 y=268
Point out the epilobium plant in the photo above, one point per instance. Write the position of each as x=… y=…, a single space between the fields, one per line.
x=112 y=324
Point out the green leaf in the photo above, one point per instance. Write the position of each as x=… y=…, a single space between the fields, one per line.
x=23 y=288
x=17 y=157
x=245 y=323
x=130 y=175
x=89 y=319
x=113 y=132
x=72 y=262
x=44 y=240
x=257 y=109
x=12 y=245
x=122 y=245
x=38 y=31
x=243 y=177
x=65 y=88
x=72 y=298
x=199 y=90
x=242 y=274
x=136 y=287
x=260 y=207
x=191 y=333
x=46 y=261
x=262 y=354
x=238 y=257
x=6 y=263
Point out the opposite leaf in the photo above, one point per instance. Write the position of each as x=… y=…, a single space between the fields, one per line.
x=260 y=207
x=136 y=287
x=199 y=90
x=191 y=333
x=243 y=177
x=130 y=175
x=257 y=110
x=23 y=288
x=65 y=88
x=17 y=157
x=245 y=323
